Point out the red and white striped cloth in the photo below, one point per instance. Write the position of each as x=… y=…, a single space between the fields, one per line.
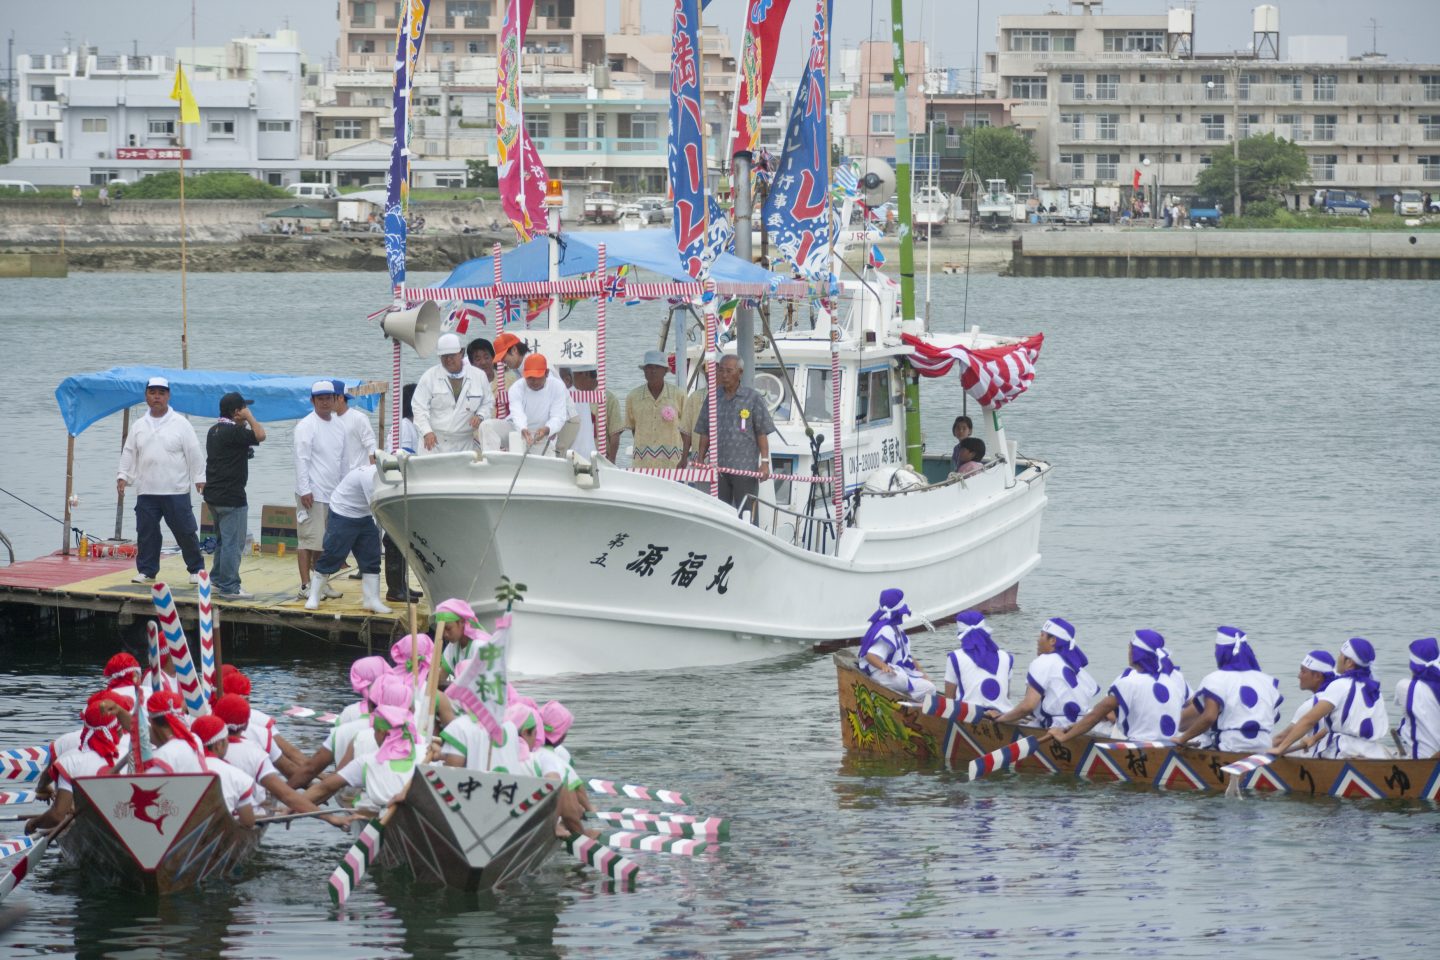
x=993 y=376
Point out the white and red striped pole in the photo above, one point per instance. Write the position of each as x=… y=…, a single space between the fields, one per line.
x=710 y=360
x=502 y=397
x=602 y=435
x=837 y=458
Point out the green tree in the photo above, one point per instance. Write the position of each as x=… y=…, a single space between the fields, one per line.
x=1270 y=167
x=998 y=153
x=479 y=173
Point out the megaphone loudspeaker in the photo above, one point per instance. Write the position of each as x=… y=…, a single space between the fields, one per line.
x=420 y=327
x=878 y=183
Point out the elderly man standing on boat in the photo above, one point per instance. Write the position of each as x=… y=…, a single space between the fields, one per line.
x=452 y=399
x=162 y=458
x=743 y=419
x=655 y=417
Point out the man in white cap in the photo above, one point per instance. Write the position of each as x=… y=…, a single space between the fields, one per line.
x=162 y=458
x=451 y=400
x=587 y=379
x=319 y=465
x=654 y=415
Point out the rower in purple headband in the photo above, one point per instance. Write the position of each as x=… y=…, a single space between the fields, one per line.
x=1317 y=669
x=1358 y=722
x=1418 y=698
x=1237 y=705
x=1147 y=698
x=978 y=671
x=885 y=649
x=1058 y=688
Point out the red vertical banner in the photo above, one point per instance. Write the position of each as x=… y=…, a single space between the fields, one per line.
x=763 y=19
x=519 y=171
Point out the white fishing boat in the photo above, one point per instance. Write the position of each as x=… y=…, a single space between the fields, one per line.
x=644 y=570
x=996 y=207
x=930 y=210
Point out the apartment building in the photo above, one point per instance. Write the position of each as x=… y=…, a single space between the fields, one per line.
x=88 y=117
x=1105 y=96
x=595 y=103
x=870 y=120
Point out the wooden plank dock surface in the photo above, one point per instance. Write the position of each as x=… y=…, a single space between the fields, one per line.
x=103 y=585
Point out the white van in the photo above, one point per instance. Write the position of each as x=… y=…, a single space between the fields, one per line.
x=312 y=191
x=19 y=186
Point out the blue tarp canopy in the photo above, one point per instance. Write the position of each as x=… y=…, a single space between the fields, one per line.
x=652 y=250
x=88 y=397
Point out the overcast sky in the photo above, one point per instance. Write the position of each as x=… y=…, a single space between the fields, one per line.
x=1408 y=29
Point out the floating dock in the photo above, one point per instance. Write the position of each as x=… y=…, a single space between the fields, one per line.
x=103 y=587
x=1232 y=254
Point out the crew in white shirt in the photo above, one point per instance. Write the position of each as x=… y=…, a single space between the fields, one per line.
x=538 y=402
x=452 y=399
x=359 y=432
x=319 y=465
x=351 y=527
x=161 y=459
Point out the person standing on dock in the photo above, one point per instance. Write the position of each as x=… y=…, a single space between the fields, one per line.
x=319 y=465
x=351 y=527
x=162 y=458
x=229 y=445
x=452 y=400
x=743 y=419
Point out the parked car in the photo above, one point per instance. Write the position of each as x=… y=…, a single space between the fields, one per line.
x=1202 y=212
x=17 y=186
x=1345 y=202
x=654 y=209
x=312 y=191
x=1410 y=204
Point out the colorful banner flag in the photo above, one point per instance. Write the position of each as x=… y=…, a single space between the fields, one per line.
x=1135 y=181
x=189 y=109
x=993 y=376
x=686 y=158
x=520 y=172
x=763 y=20
x=797 y=208
x=397 y=178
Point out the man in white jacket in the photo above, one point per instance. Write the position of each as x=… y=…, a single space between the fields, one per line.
x=451 y=400
x=162 y=458
x=538 y=403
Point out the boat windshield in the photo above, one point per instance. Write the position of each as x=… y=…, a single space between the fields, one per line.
x=817 y=392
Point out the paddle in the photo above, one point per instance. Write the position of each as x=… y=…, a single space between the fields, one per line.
x=1006 y=756
x=16 y=796
x=650 y=843
x=8 y=848
x=357 y=860
x=609 y=788
x=1128 y=745
x=713 y=829
x=935 y=705
x=16 y=874
x=287 y=817
x=209 y=682
x=592 y=853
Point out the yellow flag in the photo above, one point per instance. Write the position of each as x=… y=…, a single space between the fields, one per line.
x=189 y=110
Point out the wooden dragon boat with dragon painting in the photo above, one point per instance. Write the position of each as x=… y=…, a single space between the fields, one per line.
x=873 y=724
x=156 y=833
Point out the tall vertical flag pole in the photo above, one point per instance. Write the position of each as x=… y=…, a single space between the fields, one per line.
x=914 y=437
x=189 y=113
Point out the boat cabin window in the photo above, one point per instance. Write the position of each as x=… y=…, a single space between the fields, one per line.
x=770 y=381
x=781 y=469
x=872 y=403
x=817 y=392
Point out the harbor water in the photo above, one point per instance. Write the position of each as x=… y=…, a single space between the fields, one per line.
x=1256 y=453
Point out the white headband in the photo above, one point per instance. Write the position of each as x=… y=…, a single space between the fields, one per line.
x=1057 y=631
x=1349 y=651
x=1319 y=666
x=1423 y=664
x=1223 y=639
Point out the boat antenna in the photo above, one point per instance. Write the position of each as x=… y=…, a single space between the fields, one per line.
x=970 y=172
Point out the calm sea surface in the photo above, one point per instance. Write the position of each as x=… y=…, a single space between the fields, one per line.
x=1254 y=453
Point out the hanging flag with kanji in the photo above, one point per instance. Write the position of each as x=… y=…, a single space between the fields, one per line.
x=397 y=178
x=993 y=376
x=686 y=152
x=797 y=208
x=520 y=173
x=763 y=20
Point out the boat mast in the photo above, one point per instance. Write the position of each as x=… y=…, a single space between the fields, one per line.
x=914 y=438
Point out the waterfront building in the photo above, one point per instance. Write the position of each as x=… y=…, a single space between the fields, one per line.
x=1103 y=97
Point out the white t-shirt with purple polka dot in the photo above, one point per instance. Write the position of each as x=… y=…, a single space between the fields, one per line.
x=1065 y=693
x=1149 y=707
x=1358 y=726
x=976 y=685
x=1249 y=709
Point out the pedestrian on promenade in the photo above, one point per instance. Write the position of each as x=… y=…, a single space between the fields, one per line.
x=77 y=196
x=162 y=458
x=104 y=196
x=229 y=445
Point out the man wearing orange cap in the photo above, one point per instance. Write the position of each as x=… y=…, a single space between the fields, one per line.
x=538 y=404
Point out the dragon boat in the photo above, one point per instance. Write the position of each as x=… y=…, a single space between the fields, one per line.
x=468 y=829
x=156 y=833
x=873 y=723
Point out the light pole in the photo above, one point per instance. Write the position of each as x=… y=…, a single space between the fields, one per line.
x=1235 y=131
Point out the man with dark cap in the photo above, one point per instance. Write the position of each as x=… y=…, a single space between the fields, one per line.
x=162 y=458
x=228 y=448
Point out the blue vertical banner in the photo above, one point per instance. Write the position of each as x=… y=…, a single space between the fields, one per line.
x=686 y=156
x=397 y=178
x=797 y=208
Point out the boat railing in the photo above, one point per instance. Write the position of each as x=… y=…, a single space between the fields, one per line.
x=812 y=533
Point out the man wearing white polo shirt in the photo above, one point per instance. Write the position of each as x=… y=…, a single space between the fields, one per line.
x=351 y=527
x=319 y=465
x=162 y=458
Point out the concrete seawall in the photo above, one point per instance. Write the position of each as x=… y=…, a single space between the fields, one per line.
x=1352 y=255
